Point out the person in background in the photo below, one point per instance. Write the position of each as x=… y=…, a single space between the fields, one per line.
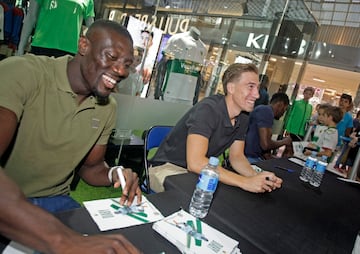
x=353 y=148
x=145 y=69
x=300 y=114
x=258 y=142
x=214 y=124
x=134 y=83
x=320 y=126
x=327 y=140
x=345 y=128
x=356 y=121
x=58 y=26
x=263 y=91
x=312 y=124
x=56 y=119
x=314 y=117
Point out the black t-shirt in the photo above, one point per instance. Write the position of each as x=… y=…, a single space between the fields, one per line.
x=208 y=118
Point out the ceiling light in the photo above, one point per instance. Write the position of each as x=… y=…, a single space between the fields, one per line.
x=319 y=80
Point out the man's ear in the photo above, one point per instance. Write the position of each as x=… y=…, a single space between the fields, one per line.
x=83 y=45
x=230 y=87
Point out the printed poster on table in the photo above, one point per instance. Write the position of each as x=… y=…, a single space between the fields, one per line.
x=109 y=214
x=191 y=235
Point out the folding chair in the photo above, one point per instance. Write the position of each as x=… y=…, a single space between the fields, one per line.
x=153 y=138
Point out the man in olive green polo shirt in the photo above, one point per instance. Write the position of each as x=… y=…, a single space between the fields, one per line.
x=57 y=114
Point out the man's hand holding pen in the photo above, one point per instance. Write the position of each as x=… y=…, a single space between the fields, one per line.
x=129 y=182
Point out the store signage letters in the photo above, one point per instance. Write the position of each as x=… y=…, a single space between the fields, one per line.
x=260 y=41
x=170 y=25
x=253 y=41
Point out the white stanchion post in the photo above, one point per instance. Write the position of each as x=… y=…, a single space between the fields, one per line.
x=308 y=133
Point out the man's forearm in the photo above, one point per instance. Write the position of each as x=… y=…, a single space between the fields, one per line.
x=243 y=167
x=28 y=224
x=96 y=175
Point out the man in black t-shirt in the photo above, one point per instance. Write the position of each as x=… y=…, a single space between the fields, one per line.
x=216 y=123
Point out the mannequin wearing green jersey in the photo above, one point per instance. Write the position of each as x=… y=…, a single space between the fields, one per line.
x=57 y=26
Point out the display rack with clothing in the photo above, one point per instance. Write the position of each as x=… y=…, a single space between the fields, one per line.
x=185 y=54
x=58 y=25
x=11 y=18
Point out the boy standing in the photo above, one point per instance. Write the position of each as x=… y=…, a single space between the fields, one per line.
x=328 y=138
x=299 y=115
x=320 y=126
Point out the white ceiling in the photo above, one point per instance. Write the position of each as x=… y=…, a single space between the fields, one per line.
x=340 y=80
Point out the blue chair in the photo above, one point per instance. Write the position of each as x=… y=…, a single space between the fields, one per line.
x=153 y=138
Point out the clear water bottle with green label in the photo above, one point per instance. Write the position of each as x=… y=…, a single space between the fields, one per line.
x=205 y=188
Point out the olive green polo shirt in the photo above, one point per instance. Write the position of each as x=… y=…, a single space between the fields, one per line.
x=55 y=133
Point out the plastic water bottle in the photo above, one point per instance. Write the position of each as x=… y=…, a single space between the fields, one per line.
x=205 y=188
x=319 y=172
x=307 y=170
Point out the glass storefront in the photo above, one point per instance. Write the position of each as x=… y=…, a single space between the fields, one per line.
x=275 y=35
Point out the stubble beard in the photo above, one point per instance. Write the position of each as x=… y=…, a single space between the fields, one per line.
x=101 y=99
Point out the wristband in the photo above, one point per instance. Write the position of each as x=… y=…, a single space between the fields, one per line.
x=112 y=169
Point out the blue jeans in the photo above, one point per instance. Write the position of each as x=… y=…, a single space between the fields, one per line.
x=56 y=203
x=253 y=160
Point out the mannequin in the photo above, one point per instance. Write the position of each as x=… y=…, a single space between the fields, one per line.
x=187 y=46
x=194 y=32
x=185 y=54
x=57 y=25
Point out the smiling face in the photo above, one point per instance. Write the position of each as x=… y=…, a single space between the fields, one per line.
x=106 y=58
x=243 y=91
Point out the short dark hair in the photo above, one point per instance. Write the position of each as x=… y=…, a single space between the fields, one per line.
x=234 y=71
x=324 y=106
x=346 y=97
x=309 y=88
x=280 y=97
x=335 y=112
x=147 y=31
x=108 y=25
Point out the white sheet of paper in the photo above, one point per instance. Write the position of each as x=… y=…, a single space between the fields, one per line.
x=104 y=215
x=298 y=147
x=216 y=241
x=297 y=161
